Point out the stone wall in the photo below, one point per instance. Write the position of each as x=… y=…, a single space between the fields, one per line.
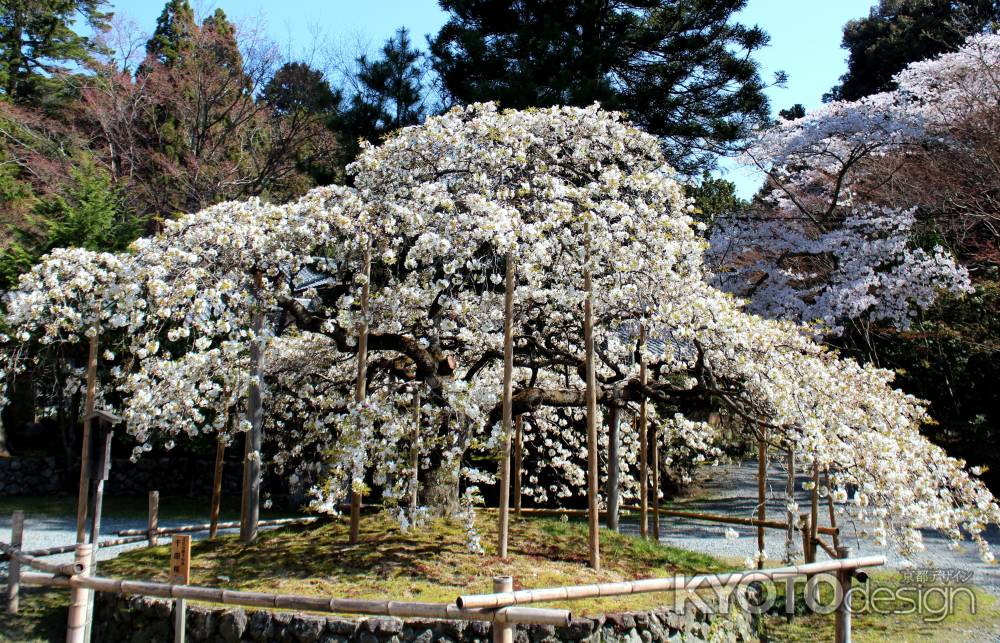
x=147 y=620
x=181 y=476
x=21 y=476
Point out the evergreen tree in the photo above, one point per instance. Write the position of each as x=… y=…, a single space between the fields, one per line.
x=173 y=37
x=682 y=69
x=898 y=32
x=297 y=86
x=38 y=43
x=390 y=93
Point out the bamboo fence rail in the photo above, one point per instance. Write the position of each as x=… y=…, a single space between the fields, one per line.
x=733 y=520
x=186 y=529
x=64 y=569
x=407 y=609
x=600 y=590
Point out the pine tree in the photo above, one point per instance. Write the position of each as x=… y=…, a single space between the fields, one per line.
x=898 y=32
x=390 y=93
x=681 y=68
x=38 y=43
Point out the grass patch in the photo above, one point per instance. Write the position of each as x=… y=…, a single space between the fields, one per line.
x=41 y=616
x=428 y=564
x=895 y=614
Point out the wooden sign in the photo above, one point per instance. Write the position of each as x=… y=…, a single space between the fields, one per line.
x=180 y=559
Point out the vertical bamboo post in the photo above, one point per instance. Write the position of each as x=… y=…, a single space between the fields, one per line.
x=83 y=498
x=643 y=442
x=655 y=445
x=829 y=504
x=153 y=522
x=220 y=455
x=842 y=629
x=14 y=566
x=814 y=511
x=518 y=460
x=503 y=632
x=255 y=409
x=789 y=514
x=761 y=498
x=79 y=600
x=614 y=465
x=415 y=455
x=505 y=426
x=593 y=516
x=360 y=389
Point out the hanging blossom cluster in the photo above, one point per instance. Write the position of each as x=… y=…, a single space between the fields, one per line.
x=829 y=242
x=439 y=210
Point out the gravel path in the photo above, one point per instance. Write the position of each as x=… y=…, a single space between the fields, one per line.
x=51 y=531
x=732 y=490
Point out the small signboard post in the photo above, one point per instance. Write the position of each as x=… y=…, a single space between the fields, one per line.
x=180 y=574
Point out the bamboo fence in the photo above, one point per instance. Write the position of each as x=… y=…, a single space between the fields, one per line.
x=601 y=590
x=186 y=529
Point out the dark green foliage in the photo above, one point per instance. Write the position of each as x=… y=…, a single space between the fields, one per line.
x=681 y=68
x=88 y=213
x=951 y=358
x=38 y=43
x=175 y=29
x=794 y=112
x=297 y=86
x=714 y=197
x=898 y=32
x=389 y=94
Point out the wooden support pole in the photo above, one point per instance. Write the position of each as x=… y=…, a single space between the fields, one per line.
x=761 y=496
x=106 y=433
x=807 y=542
x=842 y=624
x=814 y=510
x=415 y=456
x=79 y=600
x=14 y=566
x=654 y=443
x=361 y=385
x=503 y=632
x=518 y=461
x=505 y=424
x=614 y=466
x=153 y=523
x=255 y=411
x=593 y=526
x=833 y=515
x=789 y=514
x=643 y=442
x=88 y=411
x=220 y=456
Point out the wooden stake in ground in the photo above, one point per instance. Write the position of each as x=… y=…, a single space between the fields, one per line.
x=614 y=465
x=655 y=444
x=503 y=633
x=761 y=499
x=220 y=456
x=643 y=442
x=518 y=459
x=79 y=600
x=360 y=389
x=790 y=515
x=508 y=391
x=593 y=514
x=83 y=499
x=833 y=515
x=255 y=411
x=153 y=522
x=14 y=566
x=814 y=511
x=415 y=455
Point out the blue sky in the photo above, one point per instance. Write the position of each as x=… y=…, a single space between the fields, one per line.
x=805 y=36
